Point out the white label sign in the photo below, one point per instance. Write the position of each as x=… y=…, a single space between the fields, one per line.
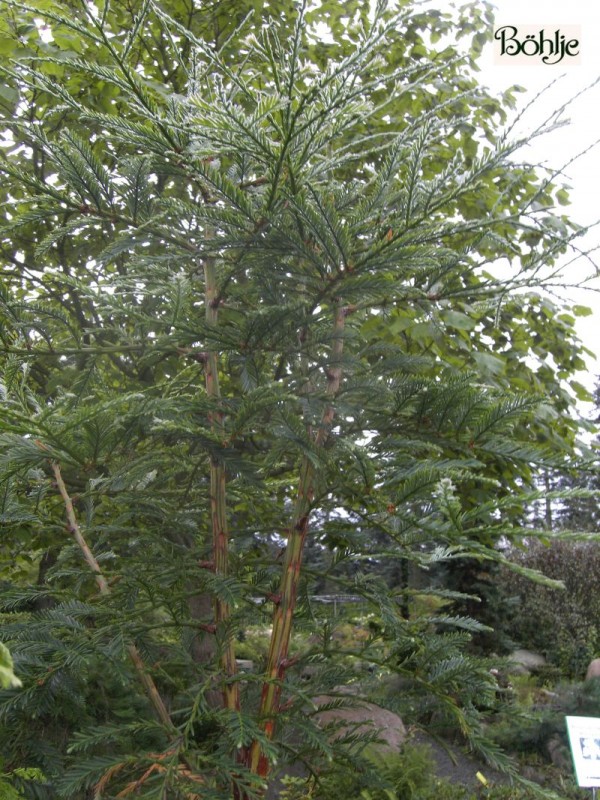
x=584 y=738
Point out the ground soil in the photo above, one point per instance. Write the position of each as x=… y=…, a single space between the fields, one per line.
x=454 y=765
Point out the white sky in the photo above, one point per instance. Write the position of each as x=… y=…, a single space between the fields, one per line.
x=558 y=147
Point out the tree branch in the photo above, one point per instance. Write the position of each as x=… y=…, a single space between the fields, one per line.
x=74 y=528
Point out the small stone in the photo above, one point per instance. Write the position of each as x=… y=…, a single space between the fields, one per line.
x=525 y=660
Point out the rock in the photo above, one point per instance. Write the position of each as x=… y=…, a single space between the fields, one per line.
x=364 y=717
x=523 y=662
x=517 y=669
x=357 y=716
x=559 y=753
x=593 y=671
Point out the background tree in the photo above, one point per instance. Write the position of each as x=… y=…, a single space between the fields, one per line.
x=570 y=613
x=579 y=515
x=250 y=300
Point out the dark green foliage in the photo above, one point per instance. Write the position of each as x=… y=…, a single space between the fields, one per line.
x=580 y=515
x=249 y=306
x=448 y=791
x=485 y=600
x=537 y=734
x=407 y=776
x=411 y=776
x=561 y=624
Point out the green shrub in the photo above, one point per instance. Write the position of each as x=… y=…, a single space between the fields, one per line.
x=351 y=787
x=11 y=783
x=253 y=644
x=561 y=624
x=444 y=790
x=410 y=776
x=406 y=776
x=527 y=728
x=296 y=788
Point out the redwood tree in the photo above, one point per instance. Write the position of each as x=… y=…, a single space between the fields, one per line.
x=251 y=300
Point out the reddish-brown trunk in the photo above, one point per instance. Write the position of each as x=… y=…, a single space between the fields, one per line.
x=283 y=614
x=218 y=500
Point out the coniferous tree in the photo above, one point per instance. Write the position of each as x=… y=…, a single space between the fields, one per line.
x=239 y=316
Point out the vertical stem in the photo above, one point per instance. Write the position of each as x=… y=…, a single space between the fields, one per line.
x=278 y=662
x=218 y=496
x=547 y=502
x=134 y=655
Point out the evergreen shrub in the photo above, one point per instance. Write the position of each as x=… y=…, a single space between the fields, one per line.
x=560 y=624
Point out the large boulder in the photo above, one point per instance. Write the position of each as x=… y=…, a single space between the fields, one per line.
x=360 y=716
x=523 y=662
x=593 y=671
x=356 y=716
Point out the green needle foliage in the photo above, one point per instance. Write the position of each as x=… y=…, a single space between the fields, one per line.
x=251 y=308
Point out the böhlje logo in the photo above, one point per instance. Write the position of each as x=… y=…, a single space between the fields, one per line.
x=535 y=45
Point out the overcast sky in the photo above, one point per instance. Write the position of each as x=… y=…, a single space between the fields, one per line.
x=557 y=148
